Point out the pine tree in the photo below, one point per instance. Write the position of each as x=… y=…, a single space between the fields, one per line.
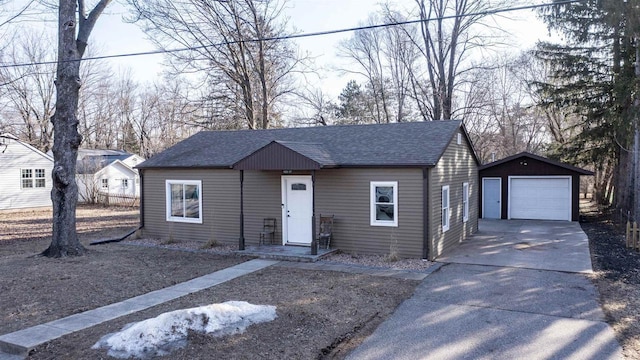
x=593 y=77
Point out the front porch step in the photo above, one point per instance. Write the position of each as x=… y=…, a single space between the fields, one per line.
x=285 y=253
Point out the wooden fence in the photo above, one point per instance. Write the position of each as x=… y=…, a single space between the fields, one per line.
x=633 y=235
x=118 y=199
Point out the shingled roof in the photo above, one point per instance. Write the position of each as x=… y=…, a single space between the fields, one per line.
x=399 y=144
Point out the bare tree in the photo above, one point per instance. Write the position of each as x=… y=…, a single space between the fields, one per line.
x=245 y=72
x=74 y=28
x=500 y=113
x=446 y=39
x=29 y=90
x=316 y=108
x=366 y=49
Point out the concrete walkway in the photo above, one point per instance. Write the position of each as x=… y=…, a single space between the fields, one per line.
x=15 y=346
x=515 y=293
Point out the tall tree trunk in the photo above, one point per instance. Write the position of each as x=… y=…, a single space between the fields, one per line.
x=64 y=193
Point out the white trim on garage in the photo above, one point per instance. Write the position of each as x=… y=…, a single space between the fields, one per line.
x=559 y=204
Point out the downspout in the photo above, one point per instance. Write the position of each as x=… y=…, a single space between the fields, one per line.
x=141 y=175
x=241 y=241
x=425 y=213
x=314 y=242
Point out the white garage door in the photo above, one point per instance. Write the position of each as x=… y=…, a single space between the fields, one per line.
x=540 y=198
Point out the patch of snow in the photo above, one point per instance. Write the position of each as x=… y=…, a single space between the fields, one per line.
x=168 y=331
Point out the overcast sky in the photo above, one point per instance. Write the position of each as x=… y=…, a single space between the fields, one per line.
x=112 y=35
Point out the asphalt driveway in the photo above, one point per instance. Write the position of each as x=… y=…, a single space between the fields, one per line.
x=516 y=290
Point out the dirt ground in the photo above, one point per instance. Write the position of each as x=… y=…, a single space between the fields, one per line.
x=616 y=275
x=321 y=314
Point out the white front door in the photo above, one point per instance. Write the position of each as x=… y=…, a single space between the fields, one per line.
x=297 y=202
x=491 y=198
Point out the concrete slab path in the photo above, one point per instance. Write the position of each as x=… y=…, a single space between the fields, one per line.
x=21 y=342
x=16 y=345
x=484 y=305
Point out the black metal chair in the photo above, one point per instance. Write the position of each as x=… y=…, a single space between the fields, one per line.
x=268 y=231
x=326 y=230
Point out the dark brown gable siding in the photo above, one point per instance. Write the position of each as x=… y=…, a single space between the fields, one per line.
x=345 y=193
x=533 y=167
x=456 y=166
x=276 y=157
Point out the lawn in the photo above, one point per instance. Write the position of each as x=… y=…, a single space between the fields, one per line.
x=321 y=314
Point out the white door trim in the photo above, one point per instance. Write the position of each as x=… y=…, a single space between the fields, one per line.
x=499 y=194
x=285 y=181
x=568 y=177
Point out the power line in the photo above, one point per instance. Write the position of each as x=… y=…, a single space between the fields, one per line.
x=304 y=35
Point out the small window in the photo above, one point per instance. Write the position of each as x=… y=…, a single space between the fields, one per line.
x=446 y=211
x=104 y=183
x=27 y=178
x=298 y=186
x=459 y=138
x=465 y=202
x=30 y=178
x=125 y=183
x=184 y=201
x=40 y=181
x=384 y=203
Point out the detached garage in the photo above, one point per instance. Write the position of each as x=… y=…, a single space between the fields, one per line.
x=528 y=186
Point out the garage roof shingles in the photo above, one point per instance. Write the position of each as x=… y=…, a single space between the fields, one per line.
x=398 y=144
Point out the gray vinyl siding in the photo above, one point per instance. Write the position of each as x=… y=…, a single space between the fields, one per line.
x=220 y=206
x=345 y=193
x=262 y=199
x=456 y=166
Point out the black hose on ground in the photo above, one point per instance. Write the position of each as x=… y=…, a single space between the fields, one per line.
x=112 y=240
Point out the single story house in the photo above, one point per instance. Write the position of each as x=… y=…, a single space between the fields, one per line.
x=110 y=172
x=407 y=188
x=25 y=175
x=528 y=186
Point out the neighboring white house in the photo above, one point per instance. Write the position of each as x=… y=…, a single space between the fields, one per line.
x=25 y=175
x=106 y=172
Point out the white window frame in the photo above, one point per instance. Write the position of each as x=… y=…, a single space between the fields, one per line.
x=33 y=178
x=104 y=183
x=372 y=201
x=169 y=217
x=465 y=202
x=446 y=210
x=124 y=183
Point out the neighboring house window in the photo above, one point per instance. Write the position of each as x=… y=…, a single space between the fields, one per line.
x=384 y=203
x=184 y=200
x=104 y=183
x=446 y=210
x=465 y=202
x=125 y=183
x=33 y=178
